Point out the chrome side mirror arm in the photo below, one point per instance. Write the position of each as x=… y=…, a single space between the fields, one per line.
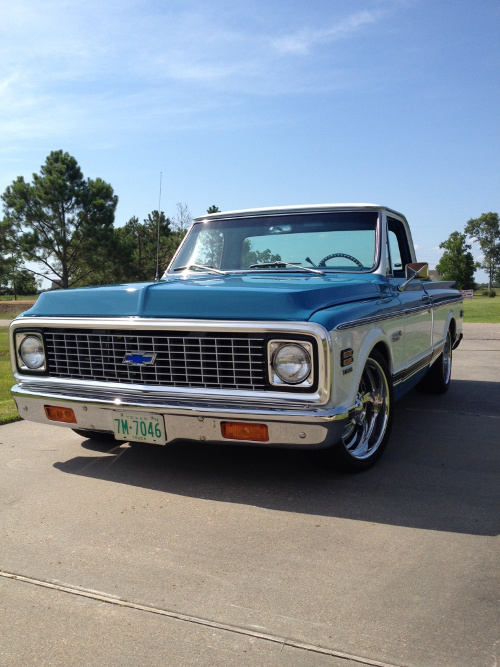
x=414 y=270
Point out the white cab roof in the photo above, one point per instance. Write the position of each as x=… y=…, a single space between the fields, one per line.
x=281 y=210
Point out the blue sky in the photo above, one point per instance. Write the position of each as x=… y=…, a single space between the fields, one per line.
x=246 y=103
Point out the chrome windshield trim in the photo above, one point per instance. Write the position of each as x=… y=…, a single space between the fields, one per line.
x=299 y=211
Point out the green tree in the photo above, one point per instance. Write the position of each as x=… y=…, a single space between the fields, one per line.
x=213 y=209
x=144 y=244
x=457 y=262
x=496 y=277
x=7 y=266
x=23 y=282
x=14 y=279
x=61 y=221
x=486 y=231
x=250 y=256
x=115 y=258
x=211 y=247
x=7 y=260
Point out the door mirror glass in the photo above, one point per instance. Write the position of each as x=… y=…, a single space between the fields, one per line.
x=420 y=269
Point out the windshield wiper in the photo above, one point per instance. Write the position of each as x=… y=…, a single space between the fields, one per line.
x=282 y=265
x=202 y=267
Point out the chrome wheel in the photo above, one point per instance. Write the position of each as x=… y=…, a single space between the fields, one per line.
x=437 y=380
x=366 y=431
x=447 y=360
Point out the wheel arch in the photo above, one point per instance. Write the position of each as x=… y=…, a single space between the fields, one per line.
x=367 y=429
x=452 y=326
x=375 y=340
x=383 y=349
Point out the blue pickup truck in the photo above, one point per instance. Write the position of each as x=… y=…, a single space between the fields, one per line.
x=280 y=327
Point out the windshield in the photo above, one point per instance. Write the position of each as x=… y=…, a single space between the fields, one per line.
x=334 y=241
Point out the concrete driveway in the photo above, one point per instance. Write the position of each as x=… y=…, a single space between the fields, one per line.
x=203 y=555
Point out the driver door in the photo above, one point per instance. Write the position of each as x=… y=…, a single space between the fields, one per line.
x=415 y=302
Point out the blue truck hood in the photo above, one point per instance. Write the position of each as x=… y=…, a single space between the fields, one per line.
x=233 y=297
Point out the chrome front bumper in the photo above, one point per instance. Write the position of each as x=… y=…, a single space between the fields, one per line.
x=293 y=426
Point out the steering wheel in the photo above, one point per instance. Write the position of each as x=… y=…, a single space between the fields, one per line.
x=341 y=254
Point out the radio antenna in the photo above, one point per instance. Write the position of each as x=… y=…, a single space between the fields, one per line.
x=157 y=278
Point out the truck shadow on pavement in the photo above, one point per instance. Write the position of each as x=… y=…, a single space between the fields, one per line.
x=439 y=472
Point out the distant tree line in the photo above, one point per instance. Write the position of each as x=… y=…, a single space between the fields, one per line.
x=63 y=225
x=60 y=226
x=457 y=262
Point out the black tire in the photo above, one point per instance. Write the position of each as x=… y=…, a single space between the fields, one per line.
x=367 y=433
x=437 y=380
x=99 y=436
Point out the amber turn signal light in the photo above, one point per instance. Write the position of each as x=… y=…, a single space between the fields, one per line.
x=56 y=414
x=346 y=357
x=245 y=431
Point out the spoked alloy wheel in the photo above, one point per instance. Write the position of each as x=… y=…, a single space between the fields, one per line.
x=446 y=362
x=437 y=380
x=367 y=431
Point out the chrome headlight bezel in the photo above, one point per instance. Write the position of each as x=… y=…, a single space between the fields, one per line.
x=278 y=376
x=24 y=363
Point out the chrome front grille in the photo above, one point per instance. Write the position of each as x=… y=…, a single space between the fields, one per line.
x=216 y=361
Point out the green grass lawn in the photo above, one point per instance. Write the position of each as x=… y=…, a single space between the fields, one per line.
x=28 y=297
x=478 y=309
x=8 y=410
x=482 y=309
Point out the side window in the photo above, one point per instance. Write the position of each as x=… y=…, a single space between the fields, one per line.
x=395 y=255
x=398 y=247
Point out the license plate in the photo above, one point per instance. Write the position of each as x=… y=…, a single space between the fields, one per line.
x=139 y=427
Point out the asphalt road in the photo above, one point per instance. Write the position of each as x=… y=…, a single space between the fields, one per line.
x=202 y=555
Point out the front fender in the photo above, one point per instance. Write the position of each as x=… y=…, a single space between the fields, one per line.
x=373 y=338
x=361 y=340
x=362 y=326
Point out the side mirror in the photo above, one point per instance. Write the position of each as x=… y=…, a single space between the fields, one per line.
x=420 y=269
x=415 y=270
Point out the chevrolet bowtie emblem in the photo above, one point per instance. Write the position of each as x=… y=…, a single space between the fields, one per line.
x=139 y=358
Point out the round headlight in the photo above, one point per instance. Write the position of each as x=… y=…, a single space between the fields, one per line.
x=292 y=363
x=31 y=352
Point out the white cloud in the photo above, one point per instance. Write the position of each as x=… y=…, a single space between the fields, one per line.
x=70 y=66
x=304 y=40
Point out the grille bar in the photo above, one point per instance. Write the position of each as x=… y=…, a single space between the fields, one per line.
x=182 y=360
